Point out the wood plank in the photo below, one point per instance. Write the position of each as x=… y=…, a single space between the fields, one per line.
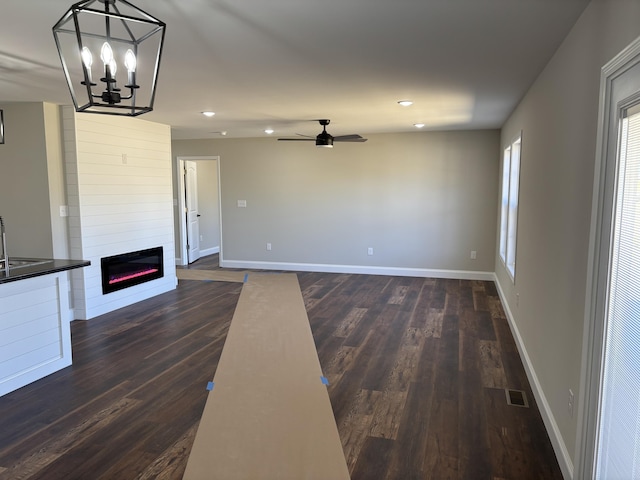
x=491 y=367
x=387 y=414
x=408 y=458
x=474 y=456
x=350 y=322
x=373 y=460
x=356 y=424
x=173 y=461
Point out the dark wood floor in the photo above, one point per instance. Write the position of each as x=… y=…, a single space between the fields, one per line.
x=417 y=367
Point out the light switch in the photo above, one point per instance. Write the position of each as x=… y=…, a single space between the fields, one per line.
x=64 y=211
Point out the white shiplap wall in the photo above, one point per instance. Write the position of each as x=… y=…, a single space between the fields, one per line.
x=120 y=200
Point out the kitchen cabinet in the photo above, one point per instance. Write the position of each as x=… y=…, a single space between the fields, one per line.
x=35 y=335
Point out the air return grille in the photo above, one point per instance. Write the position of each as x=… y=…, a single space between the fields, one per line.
x=517 y=398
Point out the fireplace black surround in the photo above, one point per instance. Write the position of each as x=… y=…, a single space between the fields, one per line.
x=129 y=269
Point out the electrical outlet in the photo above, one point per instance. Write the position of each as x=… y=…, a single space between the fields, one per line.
x=570 y=403
x=474 y=254
x=269 y=246
x=64 y=211
x=242 y=204
x=370 y=251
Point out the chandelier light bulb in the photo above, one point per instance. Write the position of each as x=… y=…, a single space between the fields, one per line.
x=106 y=54
x=87 y=59
x=130 y=61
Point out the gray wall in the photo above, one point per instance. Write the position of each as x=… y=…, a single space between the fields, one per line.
x=421 y=200
x=558 y=119
x=25 y=202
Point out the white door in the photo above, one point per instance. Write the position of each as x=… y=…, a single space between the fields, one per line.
x=191 y=207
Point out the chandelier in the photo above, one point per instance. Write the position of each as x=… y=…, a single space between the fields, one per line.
x=110 y=52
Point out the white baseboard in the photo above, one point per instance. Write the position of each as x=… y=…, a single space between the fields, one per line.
x=209 y=251
x=360 y=269
x=559 y=446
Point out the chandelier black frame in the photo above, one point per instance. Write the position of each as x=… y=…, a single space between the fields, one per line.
x=122 y=34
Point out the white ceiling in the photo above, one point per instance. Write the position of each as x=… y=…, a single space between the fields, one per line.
x=280 y=63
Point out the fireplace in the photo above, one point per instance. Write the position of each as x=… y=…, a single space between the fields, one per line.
x=129 y=269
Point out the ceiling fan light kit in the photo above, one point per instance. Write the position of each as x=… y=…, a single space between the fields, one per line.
x=123 y=38
x=325 y=139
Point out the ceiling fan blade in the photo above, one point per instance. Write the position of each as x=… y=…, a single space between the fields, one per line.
x=301 y=139
x=349 y=138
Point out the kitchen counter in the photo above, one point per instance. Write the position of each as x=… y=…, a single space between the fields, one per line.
x=35 y=335
x=44 y=266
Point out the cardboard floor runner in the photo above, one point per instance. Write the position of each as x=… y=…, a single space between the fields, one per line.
x=214 y=275
x=268 y=414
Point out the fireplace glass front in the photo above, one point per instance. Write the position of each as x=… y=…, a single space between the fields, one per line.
x=129 y=269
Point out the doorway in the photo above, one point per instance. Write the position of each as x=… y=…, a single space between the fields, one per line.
x=610 y=420
x=199 y=218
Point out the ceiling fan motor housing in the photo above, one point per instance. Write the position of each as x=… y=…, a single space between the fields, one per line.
x=324 y=140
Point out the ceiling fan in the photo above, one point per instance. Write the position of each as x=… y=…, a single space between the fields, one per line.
x=325 y=139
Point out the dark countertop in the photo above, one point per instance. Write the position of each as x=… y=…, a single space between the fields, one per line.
x=30 y=271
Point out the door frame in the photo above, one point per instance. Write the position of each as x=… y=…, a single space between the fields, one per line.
x=182 y=226
x=605 y=173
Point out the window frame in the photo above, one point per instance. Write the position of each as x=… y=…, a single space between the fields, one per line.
x=509 y=204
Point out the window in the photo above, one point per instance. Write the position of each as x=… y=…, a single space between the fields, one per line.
x=509 y=205
x=618 y=454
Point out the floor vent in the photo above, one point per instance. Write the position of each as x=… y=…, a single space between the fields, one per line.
x=517 y=398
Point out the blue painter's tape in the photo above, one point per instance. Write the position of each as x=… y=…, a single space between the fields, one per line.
x=246 y=277
x=324 y=380
x=210 y=386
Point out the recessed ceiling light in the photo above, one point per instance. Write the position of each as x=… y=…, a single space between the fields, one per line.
x=208 y=114
x=269 y=131
x=405 y=103
x=418 y=125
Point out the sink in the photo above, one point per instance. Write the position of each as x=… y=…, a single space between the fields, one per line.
x=26 y=262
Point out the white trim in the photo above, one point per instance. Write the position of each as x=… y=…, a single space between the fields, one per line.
x=594 y=329
x=359 y=269
x=180 y=214
x=220 y=249
x=559 y=446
